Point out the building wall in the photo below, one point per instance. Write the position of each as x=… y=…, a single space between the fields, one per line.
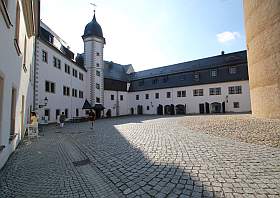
x=117 y=106
x=47 y=72
x=16 y=75
x=262 y=22
x=192 y=102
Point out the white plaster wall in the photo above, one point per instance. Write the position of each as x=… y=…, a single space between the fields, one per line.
x=192 y=102
x=46 y=71
x=112 y=104
x=11 y=69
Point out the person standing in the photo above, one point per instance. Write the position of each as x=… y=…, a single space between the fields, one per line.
x=62 y=119
x=92 y=118
x=33 y=119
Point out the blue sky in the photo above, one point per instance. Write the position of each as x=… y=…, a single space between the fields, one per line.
x=151 y=33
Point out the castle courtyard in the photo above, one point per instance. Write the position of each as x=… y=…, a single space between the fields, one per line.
x=144 y=156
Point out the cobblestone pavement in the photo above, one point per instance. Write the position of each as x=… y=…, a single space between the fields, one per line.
x=142 y=156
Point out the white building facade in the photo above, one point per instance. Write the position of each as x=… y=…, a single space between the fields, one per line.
x=58 y=79
x=18 y=28
x=216 y=84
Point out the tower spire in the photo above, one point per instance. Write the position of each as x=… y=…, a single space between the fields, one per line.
x=94 y=7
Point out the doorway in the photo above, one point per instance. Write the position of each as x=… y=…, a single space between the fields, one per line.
x=201 y=108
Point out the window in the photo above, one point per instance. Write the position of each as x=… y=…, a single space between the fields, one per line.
x=81 y=76
x=56 y=63
x=147 y=96
x=77 y=112
x=81 y=94
x=148 y=108
x=44 y=56
x=157 y=95
x=47 y=113
x=213 y=73
x=97 y=86
x=121 y=97
x=6 y=3
x=165 y=79
x=97 y=54
x=97 y=64
x=97 y=100
x=215 y=91
x=137 y=97
x=232 y=70
x=198 y=92
x=141 y=82
x=235 y=90
x=112 y=97
x=67 y=69
x=24 y=54
x=236 y=105
x=50 y=87
x=168 y=94
x=66 y=91
x=13 y=112
x=1 y=101
x=74 y=73
x=97 y=73
x=57 y=113
x=181 y=94
x=74 y=93
x=66 y=113
x=196 y=76
x=17 y=28
x=155 y=81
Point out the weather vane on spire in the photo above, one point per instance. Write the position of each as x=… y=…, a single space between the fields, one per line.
x=94 y=6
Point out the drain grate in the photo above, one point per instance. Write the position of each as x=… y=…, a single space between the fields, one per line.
x=81 y=162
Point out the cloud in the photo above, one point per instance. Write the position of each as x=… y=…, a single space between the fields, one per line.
x=227 y=36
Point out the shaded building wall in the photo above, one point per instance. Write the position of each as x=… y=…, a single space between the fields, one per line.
x=262 y=23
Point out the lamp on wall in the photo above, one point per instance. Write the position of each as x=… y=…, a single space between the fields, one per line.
x=45 y=102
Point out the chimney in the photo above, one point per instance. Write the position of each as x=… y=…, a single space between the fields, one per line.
x=222 y=52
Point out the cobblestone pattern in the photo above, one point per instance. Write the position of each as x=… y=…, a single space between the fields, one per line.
x=140 y=157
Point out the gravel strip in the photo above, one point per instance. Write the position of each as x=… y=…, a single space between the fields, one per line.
x=242 y=127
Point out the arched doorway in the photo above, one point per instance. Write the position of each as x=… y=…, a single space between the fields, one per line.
x=139 y=109
x=160 y=110
x=172 y=109
x=180 y=109
x=167 y=110
x=207 y=107
x=216 y=107
x=224 y=107
x=108 y=113
x=132 y=111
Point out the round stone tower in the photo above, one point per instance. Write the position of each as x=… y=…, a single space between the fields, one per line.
x=93 y=54
x=262 y=23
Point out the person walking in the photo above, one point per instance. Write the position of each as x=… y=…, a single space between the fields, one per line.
x=92 y=118
x=62 y=119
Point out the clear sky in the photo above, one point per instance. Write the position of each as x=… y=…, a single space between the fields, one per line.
x=151 y=33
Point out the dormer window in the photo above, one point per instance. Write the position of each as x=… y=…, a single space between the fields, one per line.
x=196 y=76
x=141 y=83
x=213 y=73
x=155 y=81
x=165 y=79
x=232 y=70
